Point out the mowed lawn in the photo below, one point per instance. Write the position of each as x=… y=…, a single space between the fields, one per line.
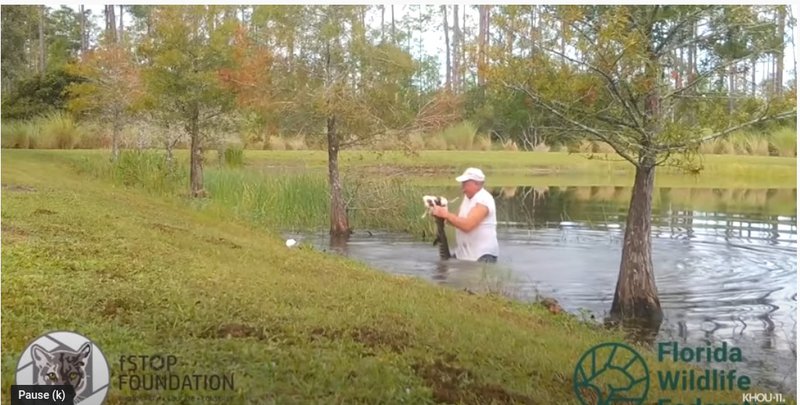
x=143 y=275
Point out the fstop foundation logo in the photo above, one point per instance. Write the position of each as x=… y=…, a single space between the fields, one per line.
x=61 y=367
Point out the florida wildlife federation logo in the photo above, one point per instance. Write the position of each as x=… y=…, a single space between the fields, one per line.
x=611 y=373
x=66 y=358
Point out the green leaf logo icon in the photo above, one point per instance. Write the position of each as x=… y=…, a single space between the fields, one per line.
x=611 y=373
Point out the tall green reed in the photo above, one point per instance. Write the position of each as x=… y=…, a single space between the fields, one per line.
x=280 y=199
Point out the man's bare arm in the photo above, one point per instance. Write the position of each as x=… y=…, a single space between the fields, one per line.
x=475 y=216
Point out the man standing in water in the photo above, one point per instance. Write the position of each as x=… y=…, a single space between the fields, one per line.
x=476 y=222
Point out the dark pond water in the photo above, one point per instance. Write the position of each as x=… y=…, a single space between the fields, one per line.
x=725 y=263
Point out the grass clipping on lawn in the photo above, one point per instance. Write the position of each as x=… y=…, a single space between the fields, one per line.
x=142 y=275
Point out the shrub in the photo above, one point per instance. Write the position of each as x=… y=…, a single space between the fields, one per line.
x=482 y=142
x=435 y=142
x=297 y=142
x=783 y=142
x=233 y=156
x=275 y=143
x=460 y=136
x=149 y=170
x=60 y=131
x=19 y=135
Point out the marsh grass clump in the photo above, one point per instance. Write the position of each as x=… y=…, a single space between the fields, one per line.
x=232 y=155
x=149 y=170
x=59 y=131
x=783 y=142
x=286 y=200
x=19 y=134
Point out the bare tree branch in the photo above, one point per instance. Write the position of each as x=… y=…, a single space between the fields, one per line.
x=688 y=19
x=633 y=102
x=592 y=131
x=706 y=75
x=613 y=86
x=600 y=116
x=694 y=143
x=663 y=158
x=712 y=36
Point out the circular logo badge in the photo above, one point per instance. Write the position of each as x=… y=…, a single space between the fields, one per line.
x=611 y=373
x=66 y=358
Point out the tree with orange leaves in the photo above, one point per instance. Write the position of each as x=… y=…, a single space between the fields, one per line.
x=111 y=88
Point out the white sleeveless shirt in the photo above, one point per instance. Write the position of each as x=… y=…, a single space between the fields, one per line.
x=483 y=238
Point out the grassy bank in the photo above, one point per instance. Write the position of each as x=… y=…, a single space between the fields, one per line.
x=437 y=168
x=505 y=169
x=295 y=199
x=280 y=199
x=140 y=274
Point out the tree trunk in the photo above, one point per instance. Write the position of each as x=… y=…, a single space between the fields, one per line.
x=779 y=53
x=731 y=88
x=149 y=21
x=116 y=126
x=690 y=71
x=168 y=147
x=563 y=42
x=339 y=225
x=462 y=54
x=534 y=33
x=383 y=23
x=692 y=65
x=84 y=42
x=338 y=244
x=394 y=34
x=754 y=63
x=636 y=295
x=196 y=170
x=121 y=27
x=483 y=41
x=111 y=24
x=41 y=40
x=456 y=51
x=290 y=56
x=448 y=64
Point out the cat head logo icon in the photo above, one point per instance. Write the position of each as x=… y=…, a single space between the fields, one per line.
x=66 y=358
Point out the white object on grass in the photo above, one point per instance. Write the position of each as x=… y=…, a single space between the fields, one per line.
x=290 y=242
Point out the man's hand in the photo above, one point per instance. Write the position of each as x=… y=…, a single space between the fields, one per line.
x=440 y=212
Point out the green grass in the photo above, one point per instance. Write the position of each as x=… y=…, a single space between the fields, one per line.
x=19 y=134
x=53 y=131
x=277 y=198
x=461 y=136
x=438 y=168
x=781 y=142
x=784 y=142
x=507 y=168
x=288 y=201
x=381 y=197
x=231 y=155
x=141 y=274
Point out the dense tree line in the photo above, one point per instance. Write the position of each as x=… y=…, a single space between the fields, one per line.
x=494 y=42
